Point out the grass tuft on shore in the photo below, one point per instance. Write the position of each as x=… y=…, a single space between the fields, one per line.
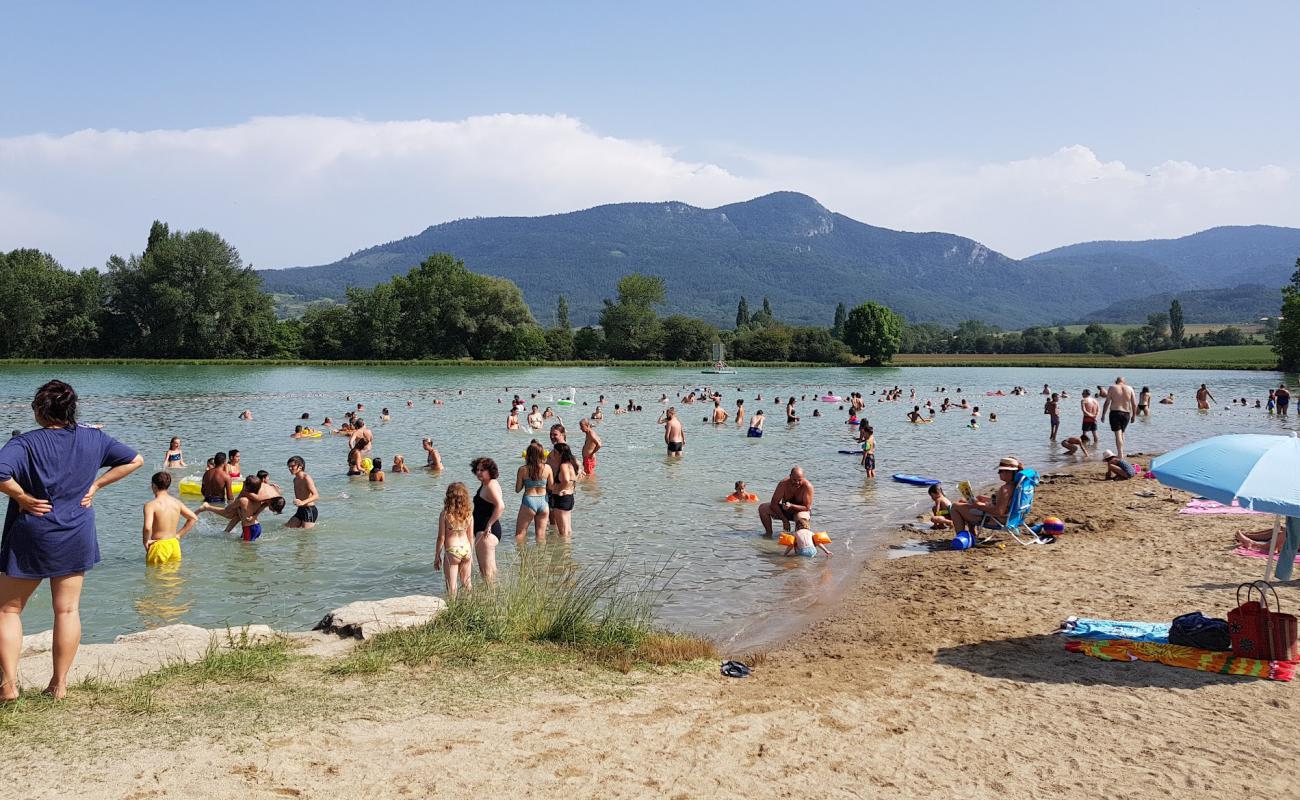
x=541 y=606
x=240 y=660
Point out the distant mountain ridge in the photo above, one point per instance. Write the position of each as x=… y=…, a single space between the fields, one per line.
x=790 y=248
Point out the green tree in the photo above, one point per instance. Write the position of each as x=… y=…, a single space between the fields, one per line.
x=816 y=344
x=837 y=327
x=378 y=331
x=1176 y=328
x=446 y=311
x=518 y=343
x=742 y=313
x=874 y=332
x=559 y=340
x=562 y=314
x=47 y=311
x=327 y=332
x=1286 y=340
x=763 y=316
x=286 y=339
x=188 y=295
x=589 y=344
x=1159 y=325
x=764 y=343
x=559 y=344
x=632 y=329
x=688 y=339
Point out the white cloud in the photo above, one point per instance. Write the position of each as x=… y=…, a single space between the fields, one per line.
x=304 y=190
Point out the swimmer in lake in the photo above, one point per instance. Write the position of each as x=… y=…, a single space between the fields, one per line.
x=741 y=496
x=399 y=466
x=512 y=421
x=756 y=425
x=377 y=471
x=174 y=458
x=432 y=461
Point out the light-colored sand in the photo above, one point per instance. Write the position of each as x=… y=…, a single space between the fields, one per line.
x=936 y=677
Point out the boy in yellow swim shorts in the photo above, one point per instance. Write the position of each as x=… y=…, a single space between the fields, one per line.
x=162 y=542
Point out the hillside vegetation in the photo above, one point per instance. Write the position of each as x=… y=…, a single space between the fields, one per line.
x=807 y=259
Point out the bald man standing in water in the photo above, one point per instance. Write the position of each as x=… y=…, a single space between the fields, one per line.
x=793 y=495
x=1121 y=404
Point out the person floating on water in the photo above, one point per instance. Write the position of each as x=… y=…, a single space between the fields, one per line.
x=162 y=541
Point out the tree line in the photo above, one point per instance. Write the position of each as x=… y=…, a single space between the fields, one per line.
x=189 y=295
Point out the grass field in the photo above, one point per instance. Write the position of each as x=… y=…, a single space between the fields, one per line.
x=1248 y=356
x=1250 y=328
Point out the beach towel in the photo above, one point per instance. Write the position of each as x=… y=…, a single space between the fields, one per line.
x=1085 y=628
x=1187 y=657
x=1203 y=506
x=1249 y=553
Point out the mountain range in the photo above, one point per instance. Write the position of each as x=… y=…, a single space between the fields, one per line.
x=805 y=258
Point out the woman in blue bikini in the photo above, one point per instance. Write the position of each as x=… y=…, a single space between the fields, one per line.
x=531 y=479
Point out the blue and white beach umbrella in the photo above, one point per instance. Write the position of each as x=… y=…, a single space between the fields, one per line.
x=1258 y=471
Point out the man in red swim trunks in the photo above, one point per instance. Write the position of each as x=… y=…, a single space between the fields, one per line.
x=590 y=445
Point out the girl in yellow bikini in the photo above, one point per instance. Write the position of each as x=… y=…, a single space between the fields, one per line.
x=455 y=539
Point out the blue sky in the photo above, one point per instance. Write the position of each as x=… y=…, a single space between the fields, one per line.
x=850 y=102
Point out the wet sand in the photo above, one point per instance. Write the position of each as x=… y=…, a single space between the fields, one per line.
x=936 y=676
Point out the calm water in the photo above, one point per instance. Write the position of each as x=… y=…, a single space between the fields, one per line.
x=376 y=541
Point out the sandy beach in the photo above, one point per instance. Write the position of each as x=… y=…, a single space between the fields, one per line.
x=936 y=676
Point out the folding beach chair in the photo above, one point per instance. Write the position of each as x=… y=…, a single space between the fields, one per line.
x=1022 y=502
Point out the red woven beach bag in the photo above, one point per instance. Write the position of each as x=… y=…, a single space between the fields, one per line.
x=1259 y=629
x=1248 y=627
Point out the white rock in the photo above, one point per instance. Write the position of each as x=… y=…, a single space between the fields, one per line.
x=365 y=618
x=42 y=642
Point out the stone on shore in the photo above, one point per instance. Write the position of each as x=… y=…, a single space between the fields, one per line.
x=365 y=618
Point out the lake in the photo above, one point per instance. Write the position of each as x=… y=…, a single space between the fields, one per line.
x=643 y=510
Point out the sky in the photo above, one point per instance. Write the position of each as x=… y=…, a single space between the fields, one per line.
x=304 y=131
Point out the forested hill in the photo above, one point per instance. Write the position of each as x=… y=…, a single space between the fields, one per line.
x=1217 y=258
x=785 y=246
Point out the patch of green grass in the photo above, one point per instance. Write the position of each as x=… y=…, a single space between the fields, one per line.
x=542 y=605
x=1247 y=356
x=1259 y=356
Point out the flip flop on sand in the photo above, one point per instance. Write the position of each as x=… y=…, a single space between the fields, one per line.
x=735 y=669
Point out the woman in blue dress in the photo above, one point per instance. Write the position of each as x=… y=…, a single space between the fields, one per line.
x=51 y=476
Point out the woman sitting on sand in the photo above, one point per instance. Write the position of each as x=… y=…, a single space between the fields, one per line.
x=968 y=514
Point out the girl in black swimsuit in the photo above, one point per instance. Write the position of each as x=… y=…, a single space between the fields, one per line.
x=485 y=546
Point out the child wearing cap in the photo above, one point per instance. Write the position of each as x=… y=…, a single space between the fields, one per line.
x=1117 y=469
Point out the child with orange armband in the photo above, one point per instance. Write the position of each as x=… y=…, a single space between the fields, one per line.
x=742 y=496
x=804 y=542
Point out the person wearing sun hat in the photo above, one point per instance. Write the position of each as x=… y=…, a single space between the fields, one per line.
x=1117 y=469
x=967 y=514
